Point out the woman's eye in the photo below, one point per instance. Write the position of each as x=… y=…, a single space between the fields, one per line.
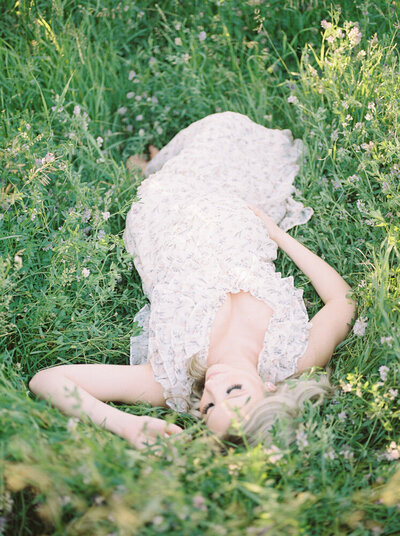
x=207 y=408
x=237 y=386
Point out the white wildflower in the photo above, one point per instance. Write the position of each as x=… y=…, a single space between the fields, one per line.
x=342 y=416
x=132 y=75
x=186 y=57
x=368 y=117
x=329 y=454
x=293 y=99
x=28 y=126
x=85 y=272
x=101 y=234
x=388 y=340
x=360 y=326
x=354 y=178
x=139 y=117
x=347 y=387
x=49 y=157
x=392 y=451
x=122 y=110
x=383 y=370
x=347 y=453
x=77 y=110
x=274 y=454
x=99 y=140
x=371 y=106
x=178 y=41
x=393 y=393
x=355 y=36
x=301 y=439
x=361 y=54
x=130 y=95
x=325 y=25
x=362 y=283
x=105 y=215
x=361 y=206
x=202 y=36
x=141 y=132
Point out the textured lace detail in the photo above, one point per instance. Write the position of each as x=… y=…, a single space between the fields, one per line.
x=194 y=239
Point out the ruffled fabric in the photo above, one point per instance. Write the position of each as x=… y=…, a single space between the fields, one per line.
x=194 y=239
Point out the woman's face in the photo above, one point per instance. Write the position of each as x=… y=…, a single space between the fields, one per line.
x=229 y=393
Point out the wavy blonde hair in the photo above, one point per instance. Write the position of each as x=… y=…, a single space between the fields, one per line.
x=285 y=404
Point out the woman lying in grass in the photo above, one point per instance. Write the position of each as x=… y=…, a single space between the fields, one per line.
x=224 y=331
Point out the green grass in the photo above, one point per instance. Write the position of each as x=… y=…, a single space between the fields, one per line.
x=61 y=477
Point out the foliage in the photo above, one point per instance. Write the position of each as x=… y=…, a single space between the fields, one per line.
x=83 y=86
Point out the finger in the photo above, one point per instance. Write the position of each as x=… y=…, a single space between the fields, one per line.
x=172 y=429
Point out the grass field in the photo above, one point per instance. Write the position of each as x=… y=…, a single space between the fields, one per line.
x=84 y=85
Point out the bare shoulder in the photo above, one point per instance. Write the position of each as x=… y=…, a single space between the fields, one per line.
x=330 y=326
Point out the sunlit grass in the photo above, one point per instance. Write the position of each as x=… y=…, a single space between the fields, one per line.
x=82 y=87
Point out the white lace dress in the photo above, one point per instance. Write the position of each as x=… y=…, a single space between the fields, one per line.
x=194 y=239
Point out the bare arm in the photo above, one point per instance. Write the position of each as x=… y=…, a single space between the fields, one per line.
x=80 y=390
x=332 y=322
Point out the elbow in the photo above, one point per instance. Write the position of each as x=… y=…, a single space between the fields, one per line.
x=39 y=381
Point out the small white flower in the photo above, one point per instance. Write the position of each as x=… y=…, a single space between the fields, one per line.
x=138 y=97
x=132 y=75
x=49 y=157
x=301 y=439
x=342 y=416
x=178 y=41
x=354 y=178
x=105 y=215
x=186 y=57
x=292 y=99
x=361 y=54
x=99 y=140
x=122 y=110
x=393 y=393
x=360 y=326
x=130 y=95
x=362 y=283
x=77 y=110
x=361 y=205
x=202 y=36
x=392 y=451
x=139 y=117
x=141 y=132
x=85 y=272
x=383 y=370
x=325 y=25
x=368 y=117
x=329 y=454
x=388 y=340
x=355 y=36
x=347 y=387
x=71 y=424
x=129 y=128
x=28 y=126
x=101 y=234
x=347 y=453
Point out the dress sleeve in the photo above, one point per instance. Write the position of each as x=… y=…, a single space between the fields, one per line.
x=140 y=343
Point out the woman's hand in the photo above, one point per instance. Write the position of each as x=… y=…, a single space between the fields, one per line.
x=272 y=228
x=142 y=432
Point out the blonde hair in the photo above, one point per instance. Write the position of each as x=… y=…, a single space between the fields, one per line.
x=285 y=404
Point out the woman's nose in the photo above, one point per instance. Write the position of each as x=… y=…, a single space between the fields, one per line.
x=214 y=390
